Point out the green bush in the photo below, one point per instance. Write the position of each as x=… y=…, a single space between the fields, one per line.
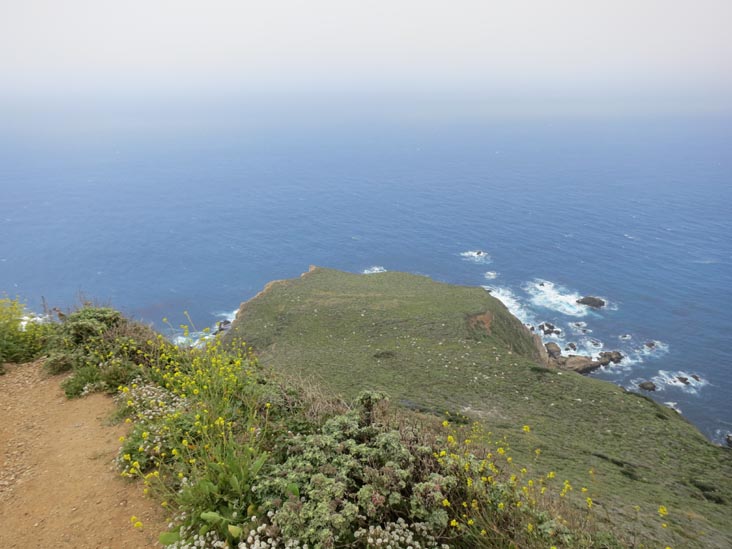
x=102 y=348
x=58 y=363
x=84 y=380
x=22 y=337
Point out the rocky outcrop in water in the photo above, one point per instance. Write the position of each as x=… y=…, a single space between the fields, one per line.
x=579 y=363
x=590 y=301
x=553 y=350
x=548 y=328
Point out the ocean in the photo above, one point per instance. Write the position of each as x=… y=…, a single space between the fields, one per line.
x=635 y=210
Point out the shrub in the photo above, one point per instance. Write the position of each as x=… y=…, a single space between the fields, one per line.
x=104 y=349
x=58 y=363
x=23 y=336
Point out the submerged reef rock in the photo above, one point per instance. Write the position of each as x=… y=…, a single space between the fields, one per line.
x=647 y=385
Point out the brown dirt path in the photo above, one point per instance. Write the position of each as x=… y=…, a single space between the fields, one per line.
x=58 y=483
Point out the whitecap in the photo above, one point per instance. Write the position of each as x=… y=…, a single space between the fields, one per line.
x=476 y=256
x=491 y=275
x=551 y=296
x=374 y=270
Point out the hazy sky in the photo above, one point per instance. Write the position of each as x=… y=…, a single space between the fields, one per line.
x=561 y=47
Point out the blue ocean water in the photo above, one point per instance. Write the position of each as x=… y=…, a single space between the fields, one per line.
x=637 y=211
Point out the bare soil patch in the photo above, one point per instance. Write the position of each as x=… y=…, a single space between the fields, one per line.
x=58 y=483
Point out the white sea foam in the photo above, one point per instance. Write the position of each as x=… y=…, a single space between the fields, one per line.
x=639 y=355
x=589 y=347
x=226 y=315
x=579 y=328
x=679 y=380
x=657 y=348
x=476 y=256
x=491 y=275
x=551 y=296
x=32 y=318
x=194 y=339
x=674 y=406
x=720 y=435
x=199 y=339
x=512 y=303
x=374 y=269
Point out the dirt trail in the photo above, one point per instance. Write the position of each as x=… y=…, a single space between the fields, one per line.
x=58 y=483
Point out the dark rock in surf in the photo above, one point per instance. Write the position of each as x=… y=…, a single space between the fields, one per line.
x=590 y=301
x=549 y=329
x=647 y=386
x=222 y=326
x=611 y=356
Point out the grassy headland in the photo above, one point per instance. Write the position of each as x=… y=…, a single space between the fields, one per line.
x=439 y=348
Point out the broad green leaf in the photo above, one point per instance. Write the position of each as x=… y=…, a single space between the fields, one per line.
x=257 y=465
x=235 y=484
x=211 y=516
x=235 y=531
x=168 y=538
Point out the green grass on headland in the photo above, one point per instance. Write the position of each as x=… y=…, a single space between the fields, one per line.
x=243 y=457
x=424 y=344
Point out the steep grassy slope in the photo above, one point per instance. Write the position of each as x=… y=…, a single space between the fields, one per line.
x=450 y=348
